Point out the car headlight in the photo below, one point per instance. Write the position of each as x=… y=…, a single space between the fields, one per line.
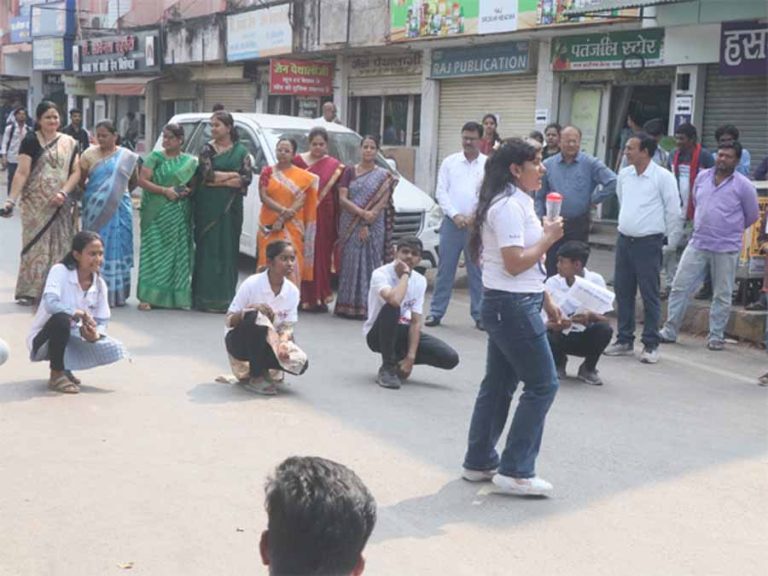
x=434 y=216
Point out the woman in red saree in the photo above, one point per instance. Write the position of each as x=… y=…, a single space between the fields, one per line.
x=315 y=294
x=288 y=210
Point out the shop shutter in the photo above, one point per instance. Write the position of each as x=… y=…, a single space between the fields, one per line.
x=512 y=98
x=385 y=85
x=741 y=101
x=234 y=96
x=178 y=91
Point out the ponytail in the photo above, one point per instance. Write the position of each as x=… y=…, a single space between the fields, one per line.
x=79 y=243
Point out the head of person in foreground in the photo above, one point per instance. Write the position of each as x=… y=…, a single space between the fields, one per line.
x=320 y=516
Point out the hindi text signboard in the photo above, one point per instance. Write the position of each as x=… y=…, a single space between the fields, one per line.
x=608 y=50
x=300 y=77
x=744 y=49
x=127 y=54
x=259 y=33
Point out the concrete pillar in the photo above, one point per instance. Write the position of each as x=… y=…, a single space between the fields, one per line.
x=36 y=92
x=151 y=103
x=426 y=165
x=546 y=88
x=341 y=88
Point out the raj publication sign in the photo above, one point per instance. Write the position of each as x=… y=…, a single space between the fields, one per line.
x=609 y=50
x=510 y=58
x=127 y=54
x=259 y=33
x=301 y=77
x=744 y=49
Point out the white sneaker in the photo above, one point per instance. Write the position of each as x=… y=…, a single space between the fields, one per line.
x=522 y=486
x=477 y=475
x=619 y=349
x=649 y=356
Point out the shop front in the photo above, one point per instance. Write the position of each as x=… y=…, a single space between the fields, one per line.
x=498 y=79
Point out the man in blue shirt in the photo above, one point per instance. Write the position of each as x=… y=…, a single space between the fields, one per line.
x=576 y=176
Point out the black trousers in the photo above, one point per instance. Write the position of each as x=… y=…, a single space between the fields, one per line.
x=248 y=343
x=588 y=344
x=56 y=333
x=390 y=338
x=573 y=229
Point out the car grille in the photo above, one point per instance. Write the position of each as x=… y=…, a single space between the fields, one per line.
x=407 y=224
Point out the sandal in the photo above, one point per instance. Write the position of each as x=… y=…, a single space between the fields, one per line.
x=145 y=307
x=72 y=378
x=64 y=385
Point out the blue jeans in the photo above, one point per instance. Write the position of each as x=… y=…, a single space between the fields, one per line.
x=693 y=268
x=452 y=241
x=517 y=350
x=638 y=264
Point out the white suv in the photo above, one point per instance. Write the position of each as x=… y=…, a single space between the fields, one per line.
x=416 y=213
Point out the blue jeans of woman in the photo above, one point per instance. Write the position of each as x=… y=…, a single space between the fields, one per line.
x=517 y=351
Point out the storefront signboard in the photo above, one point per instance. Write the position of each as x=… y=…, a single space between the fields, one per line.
x=127 y=54
x=424 y=19
x=385 y=65
x=744 y=49
x=259 y=33
x=491 y=60
x=20 y=31
x=53 y=19
x=300 y=77
x=609 y=50
x=51 y=54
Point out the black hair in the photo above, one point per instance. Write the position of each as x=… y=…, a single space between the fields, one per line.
x=79 y=243
x=43 y=107
x=75 y=111
x=410 y=242
x=688 y=130
x=554 y=125
x=218 y=107
x=276 y=248
x=320 y=516
x=20 y=109
x=495 y=182
x=107 y=125
x=175 y=129
x=729 y=129
x=371 y=137
x=318 y=131
x=654 y=127
x=574 y=250
x=226 y=118
x=496 y=137
x=472 y=126
x=735 y=146
x=647 y=142
x=291 y=141
x=536 y=135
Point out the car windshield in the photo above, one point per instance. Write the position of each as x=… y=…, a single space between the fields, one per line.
x=342 y=145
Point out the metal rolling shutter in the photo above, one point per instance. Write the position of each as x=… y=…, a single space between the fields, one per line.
x=513 y=98
x=233 y=95
x=385 y=85
x=741 y=101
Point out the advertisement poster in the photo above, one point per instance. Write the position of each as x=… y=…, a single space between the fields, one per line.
x=424 y=19
x=609 y=50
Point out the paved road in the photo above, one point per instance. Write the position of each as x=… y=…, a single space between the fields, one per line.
x=663 y=471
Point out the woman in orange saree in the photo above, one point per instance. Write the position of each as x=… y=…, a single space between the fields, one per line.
x=315 y=294
x=288 y=210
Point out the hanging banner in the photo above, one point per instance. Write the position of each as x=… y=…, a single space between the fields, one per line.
x=301 y=77
x=744 y=49
x=609 y=50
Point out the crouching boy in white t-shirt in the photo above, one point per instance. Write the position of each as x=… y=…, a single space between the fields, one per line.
x=393 y=326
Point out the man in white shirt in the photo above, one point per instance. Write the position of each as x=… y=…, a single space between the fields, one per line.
x=649 y=211
x=393 y=326
x=458 y=183
x=329 y=114
x=12 y=136
x=589 y=333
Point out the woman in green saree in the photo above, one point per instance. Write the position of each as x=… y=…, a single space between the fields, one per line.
x=165 y=271
x=224 y=172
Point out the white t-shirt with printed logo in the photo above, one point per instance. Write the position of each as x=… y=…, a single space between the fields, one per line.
x=511 y=221
x=386 y=277
x=256 y=290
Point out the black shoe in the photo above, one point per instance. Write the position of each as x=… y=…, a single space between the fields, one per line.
x=388 y=378
x=431 y=321
x=479 y=325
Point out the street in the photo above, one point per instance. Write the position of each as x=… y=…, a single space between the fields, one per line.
x=156 y=469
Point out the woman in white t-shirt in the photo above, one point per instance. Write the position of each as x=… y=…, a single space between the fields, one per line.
x=267 y=346
x=70 y=324
x=511 y=242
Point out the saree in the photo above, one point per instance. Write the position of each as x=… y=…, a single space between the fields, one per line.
x=317 y=292
x=290 y=188
x=360 y=258
x=46 y=231
x=167 y=248
x=107 y=209
x=218 y=222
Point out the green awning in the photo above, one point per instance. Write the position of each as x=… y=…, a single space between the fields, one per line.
x=592 y=7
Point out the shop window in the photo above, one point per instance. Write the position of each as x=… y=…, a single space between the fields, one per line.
x=395 y=119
